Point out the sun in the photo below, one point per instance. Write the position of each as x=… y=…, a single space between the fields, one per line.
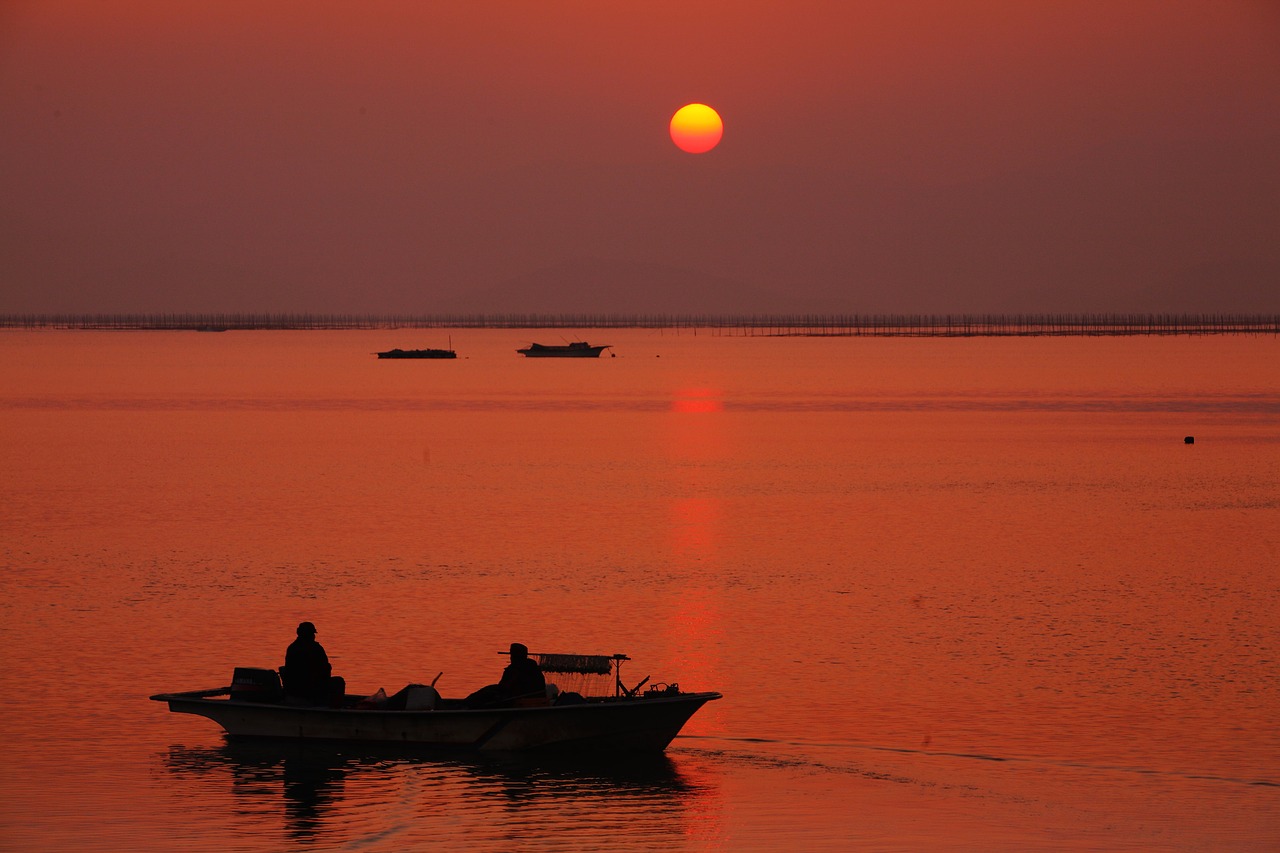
x=696 y=128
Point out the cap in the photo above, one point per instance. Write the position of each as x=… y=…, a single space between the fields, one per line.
x=306 y=628
x=519 y=649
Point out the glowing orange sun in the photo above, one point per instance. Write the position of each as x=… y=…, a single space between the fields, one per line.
x=696 y=128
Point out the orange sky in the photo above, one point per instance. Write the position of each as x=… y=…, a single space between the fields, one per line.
x=507 y=156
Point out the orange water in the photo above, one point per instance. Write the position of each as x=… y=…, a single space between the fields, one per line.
x=958 y=594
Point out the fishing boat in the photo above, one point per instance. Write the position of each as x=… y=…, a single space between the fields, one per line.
x=628 y=721
x=418 y=353
x=575 y=349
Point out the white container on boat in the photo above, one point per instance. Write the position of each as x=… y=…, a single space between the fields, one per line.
x=421 y=698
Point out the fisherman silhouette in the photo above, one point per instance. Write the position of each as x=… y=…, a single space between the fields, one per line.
x=307 y=674
x=522 y=681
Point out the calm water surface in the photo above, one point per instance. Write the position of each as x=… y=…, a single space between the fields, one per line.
x=959 y=594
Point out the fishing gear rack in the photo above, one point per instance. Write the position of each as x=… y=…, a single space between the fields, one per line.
x=589 y=665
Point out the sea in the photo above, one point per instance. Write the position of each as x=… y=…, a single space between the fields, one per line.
x=977 y=593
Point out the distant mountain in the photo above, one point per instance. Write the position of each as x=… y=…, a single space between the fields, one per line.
x=600 y=286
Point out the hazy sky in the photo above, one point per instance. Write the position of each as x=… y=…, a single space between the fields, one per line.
x=418 y=156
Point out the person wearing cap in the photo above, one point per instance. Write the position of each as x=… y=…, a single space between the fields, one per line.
x=522 y=679
x=306 y=673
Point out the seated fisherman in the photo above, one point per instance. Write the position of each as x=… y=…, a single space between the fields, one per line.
x=522 y=679
x=306 y=673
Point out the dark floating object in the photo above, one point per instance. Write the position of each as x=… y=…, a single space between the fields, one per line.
x=577 y=349
x=1191 y=439
x=418 y=353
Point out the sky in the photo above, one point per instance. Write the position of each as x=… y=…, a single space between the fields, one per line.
x=412 y=156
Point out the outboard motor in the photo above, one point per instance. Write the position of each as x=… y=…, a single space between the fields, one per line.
x=249 y=684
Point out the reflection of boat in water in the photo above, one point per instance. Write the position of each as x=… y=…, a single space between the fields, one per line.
x=418 y=353
x=576 y=349
x=653 y=773
x=311 y=784
x=628 y=721
x=319 y=786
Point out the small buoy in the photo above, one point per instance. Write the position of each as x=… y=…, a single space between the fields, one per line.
x=1191 y=439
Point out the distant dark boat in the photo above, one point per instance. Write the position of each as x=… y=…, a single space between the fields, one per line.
x=418 y=353
x=577 y=349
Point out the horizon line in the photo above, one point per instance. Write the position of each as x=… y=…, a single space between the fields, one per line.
x=765 y=324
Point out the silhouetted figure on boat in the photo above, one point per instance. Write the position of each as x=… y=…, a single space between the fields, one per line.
x=522 y=682
x=522 y=679
x=306 y=674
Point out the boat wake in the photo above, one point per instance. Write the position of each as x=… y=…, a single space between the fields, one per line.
x=820 y=764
